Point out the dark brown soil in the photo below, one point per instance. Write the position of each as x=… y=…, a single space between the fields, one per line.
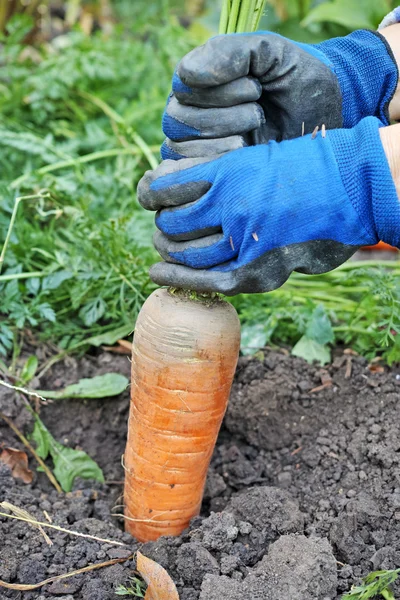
x=303 y=494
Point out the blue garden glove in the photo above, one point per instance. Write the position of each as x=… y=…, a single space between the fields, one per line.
x=253 y=88
x=244 y=221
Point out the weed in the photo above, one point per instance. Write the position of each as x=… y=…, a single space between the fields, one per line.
x=376 y=584
x=136 y=587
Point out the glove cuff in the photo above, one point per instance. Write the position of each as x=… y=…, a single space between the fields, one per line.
x=366 y=176
x=367 y=73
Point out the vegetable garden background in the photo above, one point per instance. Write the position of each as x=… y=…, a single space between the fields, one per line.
x=82 y=90
x=303 y=489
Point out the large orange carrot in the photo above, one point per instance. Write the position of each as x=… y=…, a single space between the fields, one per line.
x=184 y=357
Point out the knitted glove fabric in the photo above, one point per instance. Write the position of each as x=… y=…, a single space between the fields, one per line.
x=367 y=74
x=244 y=221
x=251 y=88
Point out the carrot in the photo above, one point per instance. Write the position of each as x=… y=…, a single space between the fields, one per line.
x=380 y=246
x=183 y=361
x=184 y=356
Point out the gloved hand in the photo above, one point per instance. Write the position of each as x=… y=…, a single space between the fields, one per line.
x=245 y=220
x=251 y=88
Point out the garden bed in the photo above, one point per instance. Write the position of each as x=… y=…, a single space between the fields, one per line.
x=303 y=494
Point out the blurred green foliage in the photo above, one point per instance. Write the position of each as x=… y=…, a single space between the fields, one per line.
x=80 y=121
x=315 y=20
x=80 y=118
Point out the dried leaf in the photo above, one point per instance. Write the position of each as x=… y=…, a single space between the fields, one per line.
x=160 y=584
x=124 y=347
x=126 y=344
x=350 y=351
x=374 y=368
x=17 y=460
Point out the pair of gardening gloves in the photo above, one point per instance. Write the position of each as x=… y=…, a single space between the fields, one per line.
x=273 y=161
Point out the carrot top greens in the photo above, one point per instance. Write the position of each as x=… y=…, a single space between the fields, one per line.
x=240 y=16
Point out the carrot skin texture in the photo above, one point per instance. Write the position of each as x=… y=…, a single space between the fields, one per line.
x=184 y=358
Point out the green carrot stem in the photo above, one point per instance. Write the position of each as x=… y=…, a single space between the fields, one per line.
x=233 y=16
x=257 y=14
x=223 y=22
x=250 y=15
x=243 y=18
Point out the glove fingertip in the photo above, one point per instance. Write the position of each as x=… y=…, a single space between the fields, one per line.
x=159 y=274
x=178 y=86
x=167 y=153
x=176 y=130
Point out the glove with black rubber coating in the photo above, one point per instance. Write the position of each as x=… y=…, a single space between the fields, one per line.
x=242 y=222
x=245 y=89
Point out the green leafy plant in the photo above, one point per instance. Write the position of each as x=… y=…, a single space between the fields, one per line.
x=68 y=463
x=77 y=121
x=357 y=305
x=376 y=584
x=312 y=346
x=136 y=587
x=28 y=370
x=101 y=386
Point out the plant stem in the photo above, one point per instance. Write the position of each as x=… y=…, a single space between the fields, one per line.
x=114 y=116
x=17 y=201
x=223 y=22
x=243 y=17
x=63 y=530
x=240 y=16
x=13 y=276
x=23 y=439
x=233 y=16
x=349 y=328
x=81 y=160
x=35 y=586
x=3 y=15
x=250 y=15
x=258 y=14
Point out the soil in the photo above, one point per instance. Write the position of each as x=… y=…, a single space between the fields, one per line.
x=302 y=498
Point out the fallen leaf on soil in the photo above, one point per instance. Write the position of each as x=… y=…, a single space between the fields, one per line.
x=376 y=360
x=124 y=347
x=374 y=368
x=125 y=344
x=25 y=587
x=101 y=386
x=160 y=584
x=17 y=460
